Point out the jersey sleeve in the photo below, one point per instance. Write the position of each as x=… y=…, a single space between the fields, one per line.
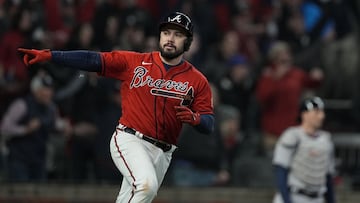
x=203 y=103
x=115 y=64
x=285 y=148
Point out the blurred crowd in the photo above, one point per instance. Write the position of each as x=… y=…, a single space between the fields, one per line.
x=260 y=56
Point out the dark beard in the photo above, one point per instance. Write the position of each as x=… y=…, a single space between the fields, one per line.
x=170 y=55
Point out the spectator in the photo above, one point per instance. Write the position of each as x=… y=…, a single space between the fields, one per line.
x=13 y=74
x=306 y=25
x=85 y=130
x=343 y=51
x=111 y=34
x=27 y=125
x=108 y=110
x=82 y=37
x=85 y=10
x=236 y=86
x=232 y=138
x=278 y=91
x=201 y=11
x=249 y=31
x=107 y=23
x=217 y=57
x=135 y=26
x=133 y=37
x=69 y=82
x=60 y=20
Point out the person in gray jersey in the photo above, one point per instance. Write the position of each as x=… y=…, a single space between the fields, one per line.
x=304 y=159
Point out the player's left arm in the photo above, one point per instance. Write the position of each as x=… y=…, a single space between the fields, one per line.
x=281 y=179
x=200 y=113
x=330 y=193
x=206 y=124
x=203 y=123
x=330 y=190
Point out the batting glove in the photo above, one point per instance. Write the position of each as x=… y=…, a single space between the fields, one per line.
x=33 y=56
x=185 y=115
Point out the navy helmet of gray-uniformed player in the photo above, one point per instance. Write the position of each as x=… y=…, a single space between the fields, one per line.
x=304 y=159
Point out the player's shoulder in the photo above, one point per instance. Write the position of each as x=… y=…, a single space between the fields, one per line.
x=292 y=130
x=325 y=134
x=291 y=135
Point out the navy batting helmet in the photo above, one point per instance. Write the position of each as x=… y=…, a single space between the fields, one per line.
x=311 y=103
x=179 y=19
x=182 y=21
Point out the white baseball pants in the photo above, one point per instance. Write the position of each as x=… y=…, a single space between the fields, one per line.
x=142 y=164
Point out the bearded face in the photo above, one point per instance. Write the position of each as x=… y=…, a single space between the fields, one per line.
x=168 y=54
x=171 y=43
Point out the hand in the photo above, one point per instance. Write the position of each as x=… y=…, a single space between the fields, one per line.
x=185 y=115
x=33 y=56
x=316 y=74
x=33 y=125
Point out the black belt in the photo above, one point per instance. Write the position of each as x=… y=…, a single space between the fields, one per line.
x=162 y=145
x=307 y=193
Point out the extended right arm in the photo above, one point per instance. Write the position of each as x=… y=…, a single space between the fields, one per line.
x=82 y=60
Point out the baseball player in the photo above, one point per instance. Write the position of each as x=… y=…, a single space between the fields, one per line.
x=160 y=92
x=304 y=159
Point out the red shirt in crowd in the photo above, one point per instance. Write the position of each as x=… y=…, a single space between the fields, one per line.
x=279 y=99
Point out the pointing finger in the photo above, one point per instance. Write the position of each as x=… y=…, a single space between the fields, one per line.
x=26 y=51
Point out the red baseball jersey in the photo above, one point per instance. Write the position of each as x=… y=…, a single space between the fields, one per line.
x=149 y=92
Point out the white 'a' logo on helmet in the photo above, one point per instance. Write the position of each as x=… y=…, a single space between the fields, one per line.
x=177 y=18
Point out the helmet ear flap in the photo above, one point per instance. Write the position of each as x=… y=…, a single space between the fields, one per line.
x=187 y=43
